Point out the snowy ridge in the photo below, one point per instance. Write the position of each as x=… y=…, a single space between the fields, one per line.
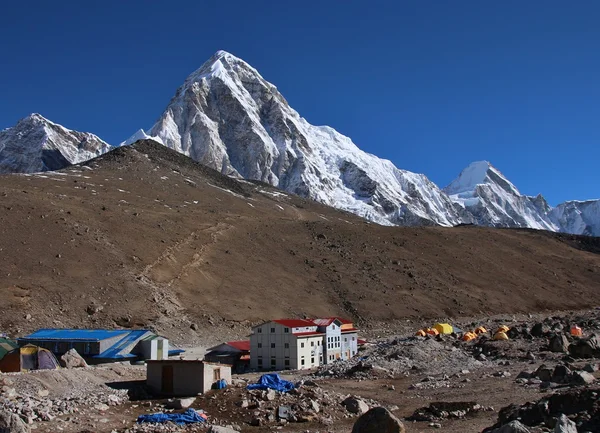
x=36 y=144
x=493 y=200
x=227 y=116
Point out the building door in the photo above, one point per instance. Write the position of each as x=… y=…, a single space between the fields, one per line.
x=159 y=349
x=167 y=379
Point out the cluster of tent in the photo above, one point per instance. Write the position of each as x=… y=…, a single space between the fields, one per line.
x=445 y=329
x=15 y=359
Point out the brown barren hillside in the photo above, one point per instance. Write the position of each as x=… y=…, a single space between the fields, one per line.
x=143 y=236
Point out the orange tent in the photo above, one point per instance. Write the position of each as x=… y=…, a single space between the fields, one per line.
x=421 y=333
x=576 y=331
x=468 y=336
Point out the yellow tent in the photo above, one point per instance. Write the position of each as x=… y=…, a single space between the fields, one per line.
x=500 y=336
x=444 y=328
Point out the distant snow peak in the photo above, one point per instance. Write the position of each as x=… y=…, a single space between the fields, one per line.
x=140 y=135
x=36 y=144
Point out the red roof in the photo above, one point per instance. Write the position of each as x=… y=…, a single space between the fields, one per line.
x=294 y=323
x=349 y=330
x=243 y=345
x=308 y=334
x=329 y=320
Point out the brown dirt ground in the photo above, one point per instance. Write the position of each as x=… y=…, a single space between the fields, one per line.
x=162 y=242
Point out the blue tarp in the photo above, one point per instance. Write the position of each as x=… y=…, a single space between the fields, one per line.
x=190 y=416
x=272 y=381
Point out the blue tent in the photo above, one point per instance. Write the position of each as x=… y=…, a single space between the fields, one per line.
x=272 y=381
x=190 y=416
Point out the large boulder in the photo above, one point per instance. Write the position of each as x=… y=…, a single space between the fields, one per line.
x=512 y=427
x=585 y=348
x=565 y=425
x=559 y=343
x=72 y=359
x=378 y=420
x=355 y=405
x=11 y=423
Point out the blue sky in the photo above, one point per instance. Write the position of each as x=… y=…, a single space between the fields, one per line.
x=430 y=85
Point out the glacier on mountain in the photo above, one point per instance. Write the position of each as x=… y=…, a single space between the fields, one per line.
x=36 y=144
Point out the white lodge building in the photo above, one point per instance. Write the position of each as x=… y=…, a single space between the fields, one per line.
x=296 y=344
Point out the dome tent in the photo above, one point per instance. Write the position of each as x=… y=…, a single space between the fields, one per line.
x=27 y=358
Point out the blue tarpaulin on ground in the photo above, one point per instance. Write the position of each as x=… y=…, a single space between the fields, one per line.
x=190 y=416
x=272 y=381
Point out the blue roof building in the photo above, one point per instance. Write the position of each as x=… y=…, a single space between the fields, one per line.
x=98 y=345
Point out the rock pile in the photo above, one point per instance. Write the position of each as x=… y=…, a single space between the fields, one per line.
x=398 y=356
x=40 y=407
x=580 y=407
x=439 y=411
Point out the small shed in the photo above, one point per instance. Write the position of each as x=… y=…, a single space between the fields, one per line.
x=234 y=353
x=184 y=377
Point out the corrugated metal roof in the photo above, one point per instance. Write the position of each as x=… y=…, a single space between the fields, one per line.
x=294 y=323
x=243 y=345
x=122 y=348
x=74 y=334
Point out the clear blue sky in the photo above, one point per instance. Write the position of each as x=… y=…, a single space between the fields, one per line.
x=430 y=85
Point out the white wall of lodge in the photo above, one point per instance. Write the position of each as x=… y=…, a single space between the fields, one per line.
x=274 y=346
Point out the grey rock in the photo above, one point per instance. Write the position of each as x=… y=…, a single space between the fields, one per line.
x=355 y=405
x=585 y=348
x=582 y=378
x=72 y=359
x=270 y=395
x=219 y=429
x=378 y=420
x=559 y=343
x=565 y=425
x=11 y=423
x=512 y=427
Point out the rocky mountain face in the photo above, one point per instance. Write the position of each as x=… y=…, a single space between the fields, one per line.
x=492 y=200
x=227 y=116
x=579 y=217
x=35 y=144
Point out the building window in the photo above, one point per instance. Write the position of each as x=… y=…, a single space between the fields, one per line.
x=287 y=362
x=312 y=344
x=259 y=345
x=273 y=362
x=216 y=374
x=302 y=345
x=260 y=362
x=272 y=330
x=345 y=339
x=312 y=360
x=286 y=330
x=259 y=330
x=286 y=345
x=272 y=345
x=302 y=361
x=352 y=338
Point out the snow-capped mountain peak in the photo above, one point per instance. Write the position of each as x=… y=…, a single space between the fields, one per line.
x=478 y=173
x=227 y=116
x=36 y=144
